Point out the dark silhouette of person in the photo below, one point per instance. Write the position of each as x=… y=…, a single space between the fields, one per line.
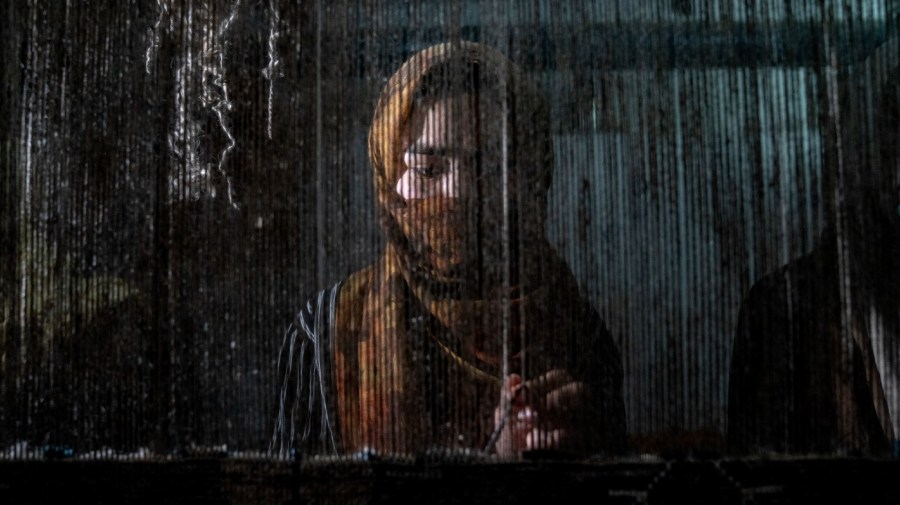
x=816 y=362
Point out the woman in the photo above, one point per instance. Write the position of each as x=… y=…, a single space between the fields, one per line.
x=468 y=332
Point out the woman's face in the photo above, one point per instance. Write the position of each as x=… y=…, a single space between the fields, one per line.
x=448 y=140
x=451 y=181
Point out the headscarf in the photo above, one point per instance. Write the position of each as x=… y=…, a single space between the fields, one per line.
x=529 y=147
x=536 y=310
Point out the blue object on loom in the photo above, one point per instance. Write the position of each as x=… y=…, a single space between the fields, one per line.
x=57 y=451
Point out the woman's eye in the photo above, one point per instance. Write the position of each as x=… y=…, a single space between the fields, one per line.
x=433 y=167
x=425 y=170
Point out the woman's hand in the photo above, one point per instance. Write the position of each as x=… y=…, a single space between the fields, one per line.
x=540 y=414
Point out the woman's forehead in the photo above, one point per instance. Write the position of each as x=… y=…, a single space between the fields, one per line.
x=459 y=119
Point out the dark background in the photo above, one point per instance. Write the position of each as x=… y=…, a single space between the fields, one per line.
x=177 y=177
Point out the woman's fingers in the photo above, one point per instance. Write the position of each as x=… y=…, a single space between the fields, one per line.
x=515 y=388
x=525 y=420
x=541 y=413
x=567 y=397
x=541 y=385
x=545 y=439
x=555 y=394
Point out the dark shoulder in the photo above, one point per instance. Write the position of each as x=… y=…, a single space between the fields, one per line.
x=800 y=289
x=783 y=321
x=779 y=379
